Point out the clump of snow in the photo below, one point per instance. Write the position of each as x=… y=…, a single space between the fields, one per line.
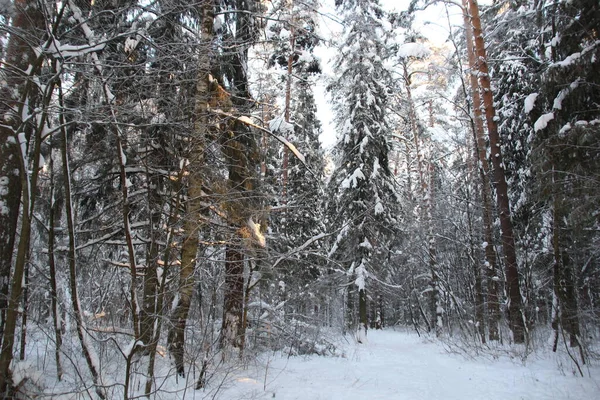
x=366 y=244
x=414 y=50
x=563 y=131
x=542 y=122
x=557 y=105
x=280 y=125
x=530 y=102
x=352 y=180
x=130 y=44
x=361 y=275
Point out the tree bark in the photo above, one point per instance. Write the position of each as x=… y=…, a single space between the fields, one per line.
x=52 y=266
x=515 y=316
x=193 y=206
x=28 y=144
x=162 y=286
x=18 y=57
x=82 y=333
x=493 y=305
x=288 y=101
x=232 y=328
x=563 y=283
x=363 y=322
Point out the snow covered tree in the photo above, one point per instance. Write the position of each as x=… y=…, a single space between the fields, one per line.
x=297 y=206
x=364 y=205
x=565 y=151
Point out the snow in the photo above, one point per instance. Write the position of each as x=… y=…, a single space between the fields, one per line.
x=542 y=122
x=6 y=8
x=4 y=181
x=361 y=275
x=352 y=180
x=399 y=365
x=60 y=50
x=379 y=208
x=571 y=59
x=416 y=50
x=366 y=244
x=530 y=102
x=131 y=346
x=280 y=125
x=256 y=233
x=131 y=44
x=563 y=131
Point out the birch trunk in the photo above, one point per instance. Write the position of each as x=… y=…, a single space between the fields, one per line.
x=193 y=205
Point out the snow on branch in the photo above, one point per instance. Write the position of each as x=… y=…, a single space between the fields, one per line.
x=413 y=50
x=300 y=248
x=571 y=59
x=280 y=125
x=247 y=121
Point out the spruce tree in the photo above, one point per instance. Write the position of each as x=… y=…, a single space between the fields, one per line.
x=363 y=206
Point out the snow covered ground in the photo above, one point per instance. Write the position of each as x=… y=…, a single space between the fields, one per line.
x=400 y=365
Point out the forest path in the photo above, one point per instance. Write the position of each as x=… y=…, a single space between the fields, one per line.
x=399 y=365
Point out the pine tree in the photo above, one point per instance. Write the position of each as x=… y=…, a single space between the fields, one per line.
x=515 y=312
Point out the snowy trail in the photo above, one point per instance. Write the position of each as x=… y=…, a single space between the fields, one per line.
x=394 y=365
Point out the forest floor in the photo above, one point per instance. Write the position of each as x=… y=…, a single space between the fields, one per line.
x=403 y=366
x=392 y=365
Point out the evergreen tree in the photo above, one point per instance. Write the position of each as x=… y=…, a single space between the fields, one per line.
x=565 y=153
x=363 y=205
x=299 y=219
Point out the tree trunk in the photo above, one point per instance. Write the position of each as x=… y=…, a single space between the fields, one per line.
x=191 y=226
x=162 y=287
x=125 y=209
x=24 y=312
x=515 y=316
x=232 y=328
x=493 y=305
x=363 y=322
x=54 y=207
x=436 y=304
x=564 y=284
x=18 y=58
x=28 y=144
x=288 y=100
x=148 y=312
x=88 y=350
